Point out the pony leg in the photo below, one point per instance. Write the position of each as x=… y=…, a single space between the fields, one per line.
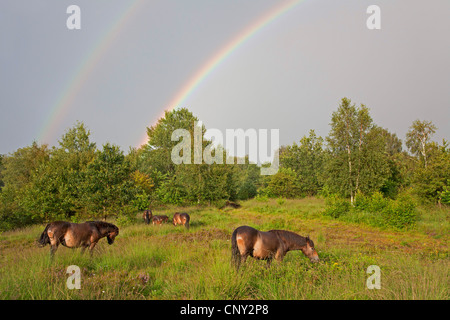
x=243 y=258
x=238 y=259
x=91 y=248
x=279 y=255
x=53 y=249
x=54 y=243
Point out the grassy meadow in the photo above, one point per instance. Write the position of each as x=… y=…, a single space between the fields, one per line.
x=167 y=262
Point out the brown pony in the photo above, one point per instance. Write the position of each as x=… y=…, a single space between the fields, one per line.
x=159 y=219
x=147 y=215
x=76 y=235
x=181 y=218
x=247 y=241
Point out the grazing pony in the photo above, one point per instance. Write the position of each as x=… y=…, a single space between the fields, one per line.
x=76 y=235
x=247 y=241
x=181 y=218
x=147 y=215
x=159 y=219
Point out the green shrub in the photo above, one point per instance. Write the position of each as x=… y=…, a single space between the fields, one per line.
x=400 y=213
x=374 y=204
x=247 y=190
x=126 y=216
x=374 y=210
x=377 y=202
x=445 y=194
x=336 y=206
x=284 y=183
x=361 y=202
x=262 y=197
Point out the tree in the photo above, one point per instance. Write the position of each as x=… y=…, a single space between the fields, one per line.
x=108 y=185
x=284 y=184
x=248 y=177
x=373 y=162
x=171 y=190
x=19 y=167
x=55 y=191
x=194 y=182
x=18 y=173
x=1 y=169
x=159 y=147
x=444 y=195
x=355 y=159
x=392 y=142
x=396 y=160
x=430 y=181
x=145 y=183
x=306 y=160
x=418 y=137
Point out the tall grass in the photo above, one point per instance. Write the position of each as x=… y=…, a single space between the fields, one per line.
x=167 y=262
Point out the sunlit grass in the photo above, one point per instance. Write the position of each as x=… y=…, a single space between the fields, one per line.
x=167 y=262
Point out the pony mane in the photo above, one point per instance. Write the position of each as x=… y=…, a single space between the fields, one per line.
x=103 y=224
x=293 y=237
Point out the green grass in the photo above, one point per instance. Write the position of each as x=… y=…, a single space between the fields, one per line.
x=167 y=262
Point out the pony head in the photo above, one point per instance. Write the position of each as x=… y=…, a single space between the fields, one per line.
x=112 y=233
x=310 y=251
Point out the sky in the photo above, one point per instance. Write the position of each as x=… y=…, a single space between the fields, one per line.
x=287 y=67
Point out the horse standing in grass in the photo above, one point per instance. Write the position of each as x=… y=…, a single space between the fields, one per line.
x=76 y=235
x=247 y=241
x=147 y=215
x=159 y=219
x=181 y=218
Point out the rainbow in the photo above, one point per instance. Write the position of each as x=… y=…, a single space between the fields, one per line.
x=65 y=100
x=221 y=55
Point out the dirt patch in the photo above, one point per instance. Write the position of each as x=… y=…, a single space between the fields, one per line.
x=340 y=235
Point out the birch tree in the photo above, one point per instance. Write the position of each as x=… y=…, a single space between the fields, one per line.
x=418 y=137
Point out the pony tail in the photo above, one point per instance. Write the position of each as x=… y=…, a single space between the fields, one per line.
x=44 y=239
x=188 y=218
x=235 y=254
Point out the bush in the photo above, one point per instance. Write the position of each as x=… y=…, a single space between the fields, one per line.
x=262 y=197
x=247 y=190
x=282 y=184
x=336 y=206
x=445 y=194
x=126 y=216
x=374 y=204
x=400 y=213
x=361 y=202
x=374 y=210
